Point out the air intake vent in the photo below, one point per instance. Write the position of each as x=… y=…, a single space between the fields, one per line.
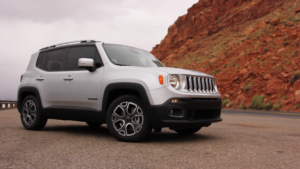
x=200 y=84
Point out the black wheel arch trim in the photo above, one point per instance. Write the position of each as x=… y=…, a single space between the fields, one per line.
x=129 y=86
x=28 y=89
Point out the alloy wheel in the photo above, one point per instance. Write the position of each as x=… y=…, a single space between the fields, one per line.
x=127 y=118
x=29 y=112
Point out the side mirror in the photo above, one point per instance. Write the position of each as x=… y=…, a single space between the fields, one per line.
x=86 y=63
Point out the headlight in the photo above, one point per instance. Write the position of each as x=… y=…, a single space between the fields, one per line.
x=174 y=81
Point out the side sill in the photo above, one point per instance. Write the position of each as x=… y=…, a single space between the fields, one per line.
x=74 y=113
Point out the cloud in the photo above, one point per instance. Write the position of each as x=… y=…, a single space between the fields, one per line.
x=29 y=25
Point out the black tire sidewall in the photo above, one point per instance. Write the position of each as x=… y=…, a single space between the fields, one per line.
x=40 y=120
x=146 y=129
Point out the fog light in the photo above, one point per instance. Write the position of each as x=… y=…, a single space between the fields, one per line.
x=176 y=101
x=176 y=112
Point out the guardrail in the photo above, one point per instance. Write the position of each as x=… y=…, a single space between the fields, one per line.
x=7 y=104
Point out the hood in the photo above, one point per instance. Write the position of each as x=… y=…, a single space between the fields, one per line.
x=168 y=70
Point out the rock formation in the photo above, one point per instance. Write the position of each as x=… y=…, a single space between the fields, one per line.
x=250 y=46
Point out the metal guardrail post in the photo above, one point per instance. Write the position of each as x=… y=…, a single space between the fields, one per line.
x=6 y=104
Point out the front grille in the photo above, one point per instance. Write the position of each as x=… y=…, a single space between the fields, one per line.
x=200 y=84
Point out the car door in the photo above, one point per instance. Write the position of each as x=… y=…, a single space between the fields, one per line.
x=49 y=75
x=82 y=88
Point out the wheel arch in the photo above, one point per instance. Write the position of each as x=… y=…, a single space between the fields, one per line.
x=115 y=90
x=26 y=91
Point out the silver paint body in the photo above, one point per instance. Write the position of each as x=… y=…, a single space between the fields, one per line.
x=73 y=88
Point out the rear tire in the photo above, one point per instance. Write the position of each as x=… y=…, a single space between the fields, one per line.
x=188 y=131
x=127 y=119
x=94 y=124
x=31 y=114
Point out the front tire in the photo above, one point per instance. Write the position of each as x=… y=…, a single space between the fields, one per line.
x=188 y=131
x=31 y=115
x=126 y=119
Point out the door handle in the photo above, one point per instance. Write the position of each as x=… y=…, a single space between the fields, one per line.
x=68 y=78
x=41 y=78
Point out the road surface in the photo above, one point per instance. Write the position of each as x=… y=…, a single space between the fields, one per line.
x=241 y=140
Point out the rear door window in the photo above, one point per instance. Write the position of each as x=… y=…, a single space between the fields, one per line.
x=55 y=60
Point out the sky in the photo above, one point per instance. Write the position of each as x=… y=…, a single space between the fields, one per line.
x=29 y=25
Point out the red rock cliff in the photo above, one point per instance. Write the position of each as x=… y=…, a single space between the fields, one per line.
x=251 y=46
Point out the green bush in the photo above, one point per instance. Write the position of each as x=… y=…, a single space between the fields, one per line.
x=225 y=102
x=231 y=104
x=247 y=87
x=295 y=77
x=276 y=107
x=297 y=106
x=257 y=102
x=279 y=103
x=286 y=43
x=242 y=106
x=269 y=106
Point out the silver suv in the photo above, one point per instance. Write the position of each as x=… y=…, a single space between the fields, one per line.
x=125 y=87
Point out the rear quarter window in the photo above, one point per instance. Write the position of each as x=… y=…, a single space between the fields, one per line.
x=40 y=60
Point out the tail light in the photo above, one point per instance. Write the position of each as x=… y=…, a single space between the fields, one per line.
x=21 y=78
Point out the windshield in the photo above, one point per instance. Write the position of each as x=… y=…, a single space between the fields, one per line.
x=129 y=56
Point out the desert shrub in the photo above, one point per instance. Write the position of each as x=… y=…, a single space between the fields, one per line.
x=269 y=106
x=276 y=107
x=297 y=106
x=295 y=77
x=279 y=103
x=266 y=50
x=225 y=102
x=285 y=98
x=230 y=104
x=295 y=53
x=257 y=102
x=242 y=106
x=286 y=43
x=247 y=87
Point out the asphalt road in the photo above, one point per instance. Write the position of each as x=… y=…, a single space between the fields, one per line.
x=240 y=141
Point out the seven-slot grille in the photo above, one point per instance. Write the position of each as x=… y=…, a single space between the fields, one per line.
x=200 y=84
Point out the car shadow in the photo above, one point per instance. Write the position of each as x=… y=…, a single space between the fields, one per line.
x=87 y=130
x=102 y=131
x=174 y=137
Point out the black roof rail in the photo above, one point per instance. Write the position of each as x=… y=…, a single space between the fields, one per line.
x=66 y=43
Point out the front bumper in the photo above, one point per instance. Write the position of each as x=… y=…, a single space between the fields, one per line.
x=197 y=112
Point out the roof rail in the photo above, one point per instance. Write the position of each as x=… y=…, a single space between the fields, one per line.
x=61 y=44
